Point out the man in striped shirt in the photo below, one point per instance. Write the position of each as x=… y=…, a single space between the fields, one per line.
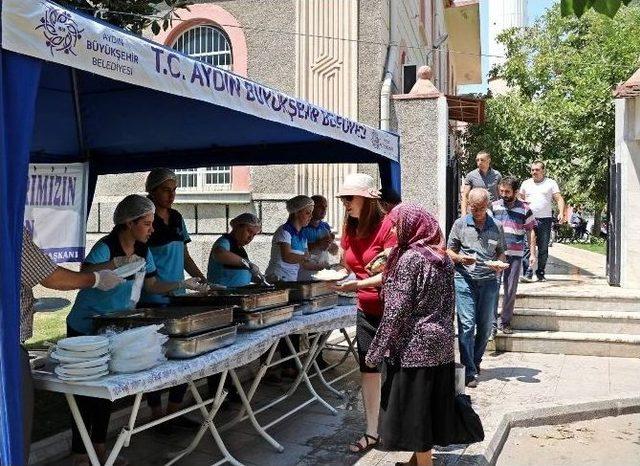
x=517 y=220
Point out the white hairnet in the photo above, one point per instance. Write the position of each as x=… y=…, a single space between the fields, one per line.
x=132 y=207
x=298 y=203
x=245 y=219
x=157 y=176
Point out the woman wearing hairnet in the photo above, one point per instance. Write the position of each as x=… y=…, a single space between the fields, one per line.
x=290 y=252
x=168 y=244
x=229 y=263
x=289 y=248
x=126 y=243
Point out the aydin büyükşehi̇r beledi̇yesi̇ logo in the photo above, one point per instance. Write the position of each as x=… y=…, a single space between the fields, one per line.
x=60 y=30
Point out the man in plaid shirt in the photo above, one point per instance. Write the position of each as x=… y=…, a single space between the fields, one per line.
x=517 y=220
x=38 y=268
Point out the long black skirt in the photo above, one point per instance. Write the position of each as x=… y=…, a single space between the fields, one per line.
x=417 y=409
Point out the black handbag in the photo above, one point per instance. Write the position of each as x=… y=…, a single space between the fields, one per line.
x=468 y=427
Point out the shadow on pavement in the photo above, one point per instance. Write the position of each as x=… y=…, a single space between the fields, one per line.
x=504 y=374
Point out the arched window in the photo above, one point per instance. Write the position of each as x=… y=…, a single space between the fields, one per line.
x=206 y=43
x=211 y=45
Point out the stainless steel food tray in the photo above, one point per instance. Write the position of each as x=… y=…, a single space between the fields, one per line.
x=321 y=303
x=247 y=300
x=189 y=347
x=260 y=319
x=303 y=291
x=176 y=320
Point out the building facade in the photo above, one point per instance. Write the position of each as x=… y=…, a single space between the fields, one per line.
x=350 y=56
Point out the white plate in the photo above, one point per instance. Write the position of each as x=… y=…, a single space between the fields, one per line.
x=80 y=372
x=329 y=275
x=71 y=359
x=83 y=378
x=89 y=363
x=129 y=269
x=83 y=343
x=93 y=354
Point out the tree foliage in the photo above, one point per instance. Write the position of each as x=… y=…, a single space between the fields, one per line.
x=135 y=16
x=560 y=107
x=579 y=7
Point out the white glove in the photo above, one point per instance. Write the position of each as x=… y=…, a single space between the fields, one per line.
x=195 y=284
x=106 y=280
x=123 y=260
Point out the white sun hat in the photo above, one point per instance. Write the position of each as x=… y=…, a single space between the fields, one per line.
x=359 y=184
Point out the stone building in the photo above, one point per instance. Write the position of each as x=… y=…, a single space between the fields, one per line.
x=350 y=56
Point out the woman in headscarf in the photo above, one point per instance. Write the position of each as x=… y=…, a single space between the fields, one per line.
x=126 y=243
x=415 y=338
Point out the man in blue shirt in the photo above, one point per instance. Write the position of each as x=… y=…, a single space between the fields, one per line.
x=320 y=239
x=474 y=242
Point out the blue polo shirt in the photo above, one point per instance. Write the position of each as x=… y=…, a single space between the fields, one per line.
x=228 y=275
x=167 y=246
x=278 y=269
x=313 y=234
x=93 y=301
x=486 y=244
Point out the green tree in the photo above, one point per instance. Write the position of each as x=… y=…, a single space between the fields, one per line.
x=579 y=7
x=135 y=16
x=560 y=107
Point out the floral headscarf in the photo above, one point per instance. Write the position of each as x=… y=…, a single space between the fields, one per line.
x=418 y=230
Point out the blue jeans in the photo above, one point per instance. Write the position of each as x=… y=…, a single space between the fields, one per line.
x=543 y=235
x=475 y=303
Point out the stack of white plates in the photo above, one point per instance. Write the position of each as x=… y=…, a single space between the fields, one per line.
x=82 y=358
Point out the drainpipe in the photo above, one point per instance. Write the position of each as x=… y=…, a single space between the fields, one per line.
x=387 y=81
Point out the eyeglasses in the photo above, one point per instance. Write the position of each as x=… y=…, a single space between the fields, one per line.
x=346 y=198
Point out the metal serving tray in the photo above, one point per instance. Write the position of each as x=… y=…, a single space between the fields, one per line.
x=303 y=291
x=321 y=303
x=189 y=347
x=176 y=320
x=261 y=319
x=246 y=299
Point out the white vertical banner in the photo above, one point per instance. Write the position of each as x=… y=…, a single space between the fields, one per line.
x=56 y=209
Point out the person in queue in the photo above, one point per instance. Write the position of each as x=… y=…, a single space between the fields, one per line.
x=476 y=237
x=168 y=245
x=366 y=233
x=127 y=242
x=38 y=269
x=389 y=198
x=320 y=239
x=415 y=338
x=229 y=263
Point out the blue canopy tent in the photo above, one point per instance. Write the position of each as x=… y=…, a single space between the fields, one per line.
x=76 y=89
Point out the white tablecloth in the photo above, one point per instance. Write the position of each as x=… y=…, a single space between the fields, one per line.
x=248 y=347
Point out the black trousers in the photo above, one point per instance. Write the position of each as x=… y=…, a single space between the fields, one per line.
x=95 y=412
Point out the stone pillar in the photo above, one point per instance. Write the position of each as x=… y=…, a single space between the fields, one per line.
x=628 y=156
x=422 y=122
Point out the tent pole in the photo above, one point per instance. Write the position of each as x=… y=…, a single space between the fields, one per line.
x=78 y=114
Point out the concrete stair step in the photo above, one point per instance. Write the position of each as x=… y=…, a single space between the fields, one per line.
x=577 y=301
x=591 y=344
x=614 y=322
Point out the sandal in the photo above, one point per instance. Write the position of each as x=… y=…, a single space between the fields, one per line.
x=371 y=442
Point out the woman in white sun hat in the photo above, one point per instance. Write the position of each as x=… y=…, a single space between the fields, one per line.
x=366 y=233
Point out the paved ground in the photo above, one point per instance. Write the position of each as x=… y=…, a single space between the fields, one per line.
x=610 y=440
x=509 y=382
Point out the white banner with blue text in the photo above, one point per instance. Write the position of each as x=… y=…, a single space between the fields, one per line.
x=50 y=32
x=56 y=209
